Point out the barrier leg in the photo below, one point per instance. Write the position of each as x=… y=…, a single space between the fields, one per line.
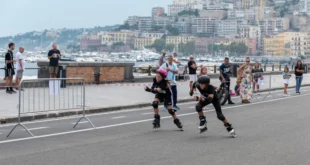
x=21 y=126
x=269 y=91
x=86 y=118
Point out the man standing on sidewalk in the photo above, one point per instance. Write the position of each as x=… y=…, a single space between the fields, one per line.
x=225 y=71
x=54 y=56
x=172 y=70
x=20 y=67
x=192 y=67
x=9 y=69
x=162 y=59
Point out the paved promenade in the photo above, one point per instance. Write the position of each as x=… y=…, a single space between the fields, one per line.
x=113 y=95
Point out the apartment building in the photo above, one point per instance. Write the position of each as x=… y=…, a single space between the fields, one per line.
x=205 y=25
x=177 y=40
x=145 y=23
x=272 y=25
x=227 y=28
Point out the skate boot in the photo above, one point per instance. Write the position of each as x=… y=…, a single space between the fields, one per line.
x=203 y=124
x=156 y=122
x=178 y=123
x=191 y=93
x=230 y=129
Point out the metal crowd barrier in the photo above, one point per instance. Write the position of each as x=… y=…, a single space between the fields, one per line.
x=45 y=95
x=277 y=78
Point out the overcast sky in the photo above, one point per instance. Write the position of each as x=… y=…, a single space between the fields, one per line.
x=19 y=16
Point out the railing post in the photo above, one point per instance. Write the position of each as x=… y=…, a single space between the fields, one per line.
x=272 y=67
x=265 y=67
x=214 y=68
x=150 y=70
x=280 y=67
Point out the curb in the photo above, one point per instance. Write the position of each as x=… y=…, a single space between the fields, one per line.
x=53 y=114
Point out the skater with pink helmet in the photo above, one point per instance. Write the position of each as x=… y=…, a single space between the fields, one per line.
x=161 y=89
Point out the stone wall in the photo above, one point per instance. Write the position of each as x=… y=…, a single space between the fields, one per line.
x=111 y=74
x=92 y=72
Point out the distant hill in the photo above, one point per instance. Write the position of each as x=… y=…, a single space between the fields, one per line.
x=43 y=39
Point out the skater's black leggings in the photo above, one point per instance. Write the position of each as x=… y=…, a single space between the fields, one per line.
x=217 y=106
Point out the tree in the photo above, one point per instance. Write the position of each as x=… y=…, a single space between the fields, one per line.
x=158 y=44
x=156 y=28
x=189 y=48
x=189 y=13
x=169 y=47
x=117 y=44
x=172 y=30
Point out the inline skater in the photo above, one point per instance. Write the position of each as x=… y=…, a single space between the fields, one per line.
x=162 y=91
x=208 y=96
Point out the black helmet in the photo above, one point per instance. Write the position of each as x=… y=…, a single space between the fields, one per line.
x=204 y=80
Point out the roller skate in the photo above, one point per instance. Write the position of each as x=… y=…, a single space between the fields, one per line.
x=203 y=124
x=178 y=123
x=230 y=130
x=156 y=122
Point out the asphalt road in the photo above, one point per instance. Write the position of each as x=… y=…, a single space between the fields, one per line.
x=270 y=132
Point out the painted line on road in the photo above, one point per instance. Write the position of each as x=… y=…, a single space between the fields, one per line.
x=90 y=115
x=37 y=128
x=114 y=112
x=81 y=122
x=148 y=113
x=140 y=121
x=118 y=117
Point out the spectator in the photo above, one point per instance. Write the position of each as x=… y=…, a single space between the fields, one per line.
x=9 y=69
x=54 y=55
x=286 y=78
x=299 y=71
x=192 y=67
x=203 y=71
x=175 y=59
x=172 y=70
x=20 y=66
x=225 y=72
x=257 y=72
x=162 y=59
x=246 y=81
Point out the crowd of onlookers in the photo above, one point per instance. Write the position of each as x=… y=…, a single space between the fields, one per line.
x=249 y=77
x=18 y=61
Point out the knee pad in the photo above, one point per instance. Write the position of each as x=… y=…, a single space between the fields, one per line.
x=221 y=117
x=198 y=108
x=171 y=111
x=155 y=104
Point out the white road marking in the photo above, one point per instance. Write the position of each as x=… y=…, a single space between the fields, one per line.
x=115 y=112
x=148 y=113
x=81 y=122
x=118 y=117
x=37 y=128
x=140 y=121
x=90 y=115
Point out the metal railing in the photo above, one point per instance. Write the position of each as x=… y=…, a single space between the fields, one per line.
x=270 y=80
x=44 y=95
x=215 y=68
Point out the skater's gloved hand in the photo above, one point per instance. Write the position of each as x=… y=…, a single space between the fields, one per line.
x=148 y=89
x=202 y=98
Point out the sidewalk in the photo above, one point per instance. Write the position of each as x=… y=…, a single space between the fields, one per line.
x=117 y=96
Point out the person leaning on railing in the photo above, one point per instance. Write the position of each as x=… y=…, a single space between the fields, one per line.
x=299 y=71
x=258 y=77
